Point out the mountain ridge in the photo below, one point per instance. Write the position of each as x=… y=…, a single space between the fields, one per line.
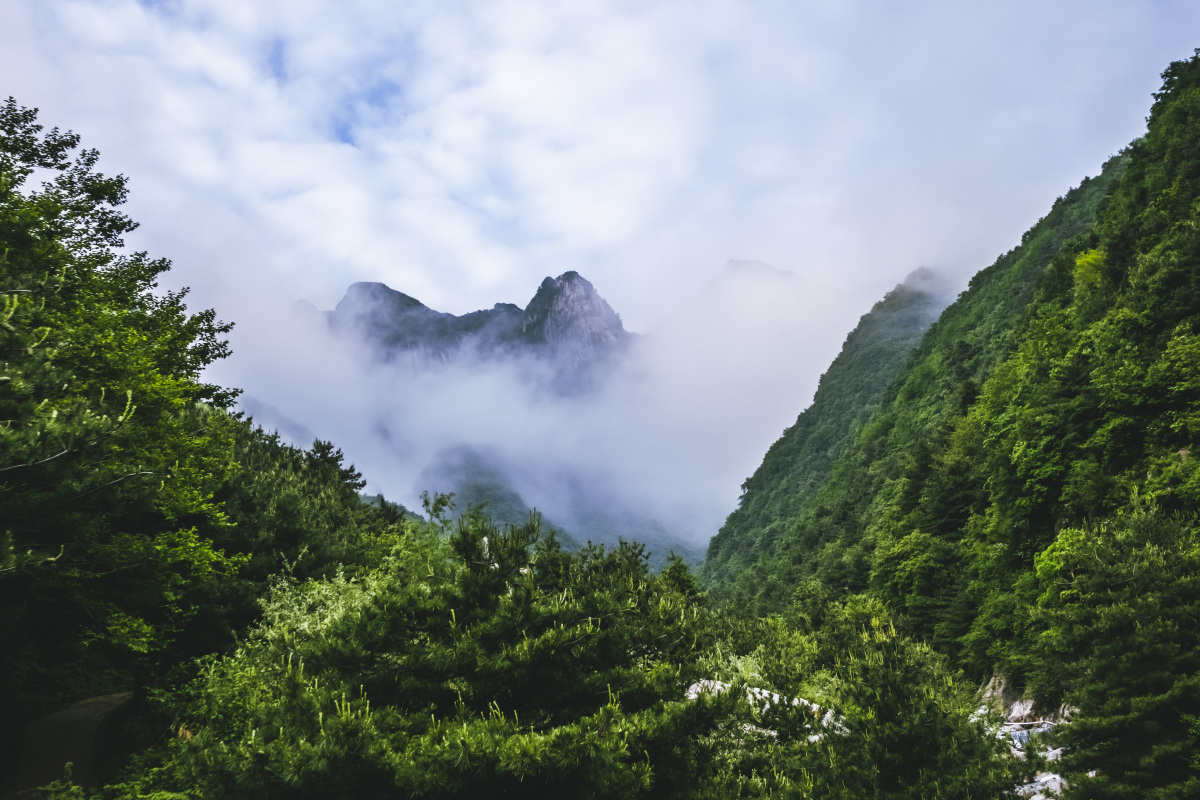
x=566 y=323
x=801 y=459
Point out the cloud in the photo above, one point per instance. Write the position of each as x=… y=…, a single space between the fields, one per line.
x=463 y=150
x=661 y=447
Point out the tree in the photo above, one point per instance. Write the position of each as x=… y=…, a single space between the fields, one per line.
x=890 y=720
x=487 y=664
x=1120 y=615
x=111 y=443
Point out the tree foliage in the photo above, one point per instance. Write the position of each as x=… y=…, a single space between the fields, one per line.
x=110 y=448
x=140 y=519
x=490 y=663
x=1038 y=417
x=484 y=664
x=1119 y=613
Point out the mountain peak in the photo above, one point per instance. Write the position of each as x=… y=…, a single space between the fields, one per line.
x=568 y=311
x=566 y=322
x=374 y=293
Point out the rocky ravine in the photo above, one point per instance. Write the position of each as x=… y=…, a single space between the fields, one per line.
x=1023 y=724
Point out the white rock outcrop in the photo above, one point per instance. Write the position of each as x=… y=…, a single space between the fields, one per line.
x=763 y=699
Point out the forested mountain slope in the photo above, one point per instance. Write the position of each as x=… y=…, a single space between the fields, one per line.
x=795 y=466
x=1025 y=498
x=817 y=512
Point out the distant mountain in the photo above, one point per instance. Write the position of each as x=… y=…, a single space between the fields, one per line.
x=566 y=340
x=569 y=318
x=395 y=322
x=481 y=476
x=477 y=478
x=566 y=325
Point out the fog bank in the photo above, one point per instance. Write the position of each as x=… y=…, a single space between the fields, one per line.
x=657 y=450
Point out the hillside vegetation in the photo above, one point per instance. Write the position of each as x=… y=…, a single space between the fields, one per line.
x=796 y=465
x=1024 y=498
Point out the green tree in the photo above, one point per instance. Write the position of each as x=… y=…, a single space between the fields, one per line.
x=111 y=443
x=486 y=664
x=1120 y=618
x=892 y=721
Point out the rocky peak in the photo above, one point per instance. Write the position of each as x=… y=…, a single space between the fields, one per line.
x=367 y=295
x=567 y=310
x=566 y=324
x=392 y=320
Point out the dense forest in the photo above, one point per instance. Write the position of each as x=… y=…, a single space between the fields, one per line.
x=1010 y=493
x=1023 y=495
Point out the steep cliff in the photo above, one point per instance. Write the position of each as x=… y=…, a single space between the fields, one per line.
x=568 y=316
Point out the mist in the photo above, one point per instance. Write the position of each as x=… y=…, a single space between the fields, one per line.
x=656 y=450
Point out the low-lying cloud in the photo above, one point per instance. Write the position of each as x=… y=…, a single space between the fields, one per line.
x=663 y=442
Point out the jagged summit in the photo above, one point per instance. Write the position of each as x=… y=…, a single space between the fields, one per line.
x=567 y=323
x=569 y=314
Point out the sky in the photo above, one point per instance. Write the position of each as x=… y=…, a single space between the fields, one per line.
x=460 y=152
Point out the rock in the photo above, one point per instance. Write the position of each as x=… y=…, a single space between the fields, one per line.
x=763 y=699
x=566 y=322
x=999 y=694
x=1022 y=723
x=1041 y=784
x=567 y=314
x=1020 y=711
x=78 y=735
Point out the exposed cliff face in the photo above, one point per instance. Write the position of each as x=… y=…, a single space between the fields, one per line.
x=570 y=317
x=567 y=323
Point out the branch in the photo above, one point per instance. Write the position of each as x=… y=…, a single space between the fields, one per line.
x=35 y=463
